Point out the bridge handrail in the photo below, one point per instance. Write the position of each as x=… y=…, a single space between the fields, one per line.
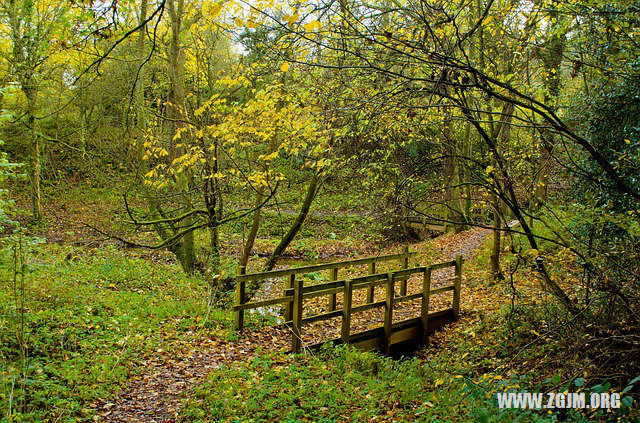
x=297 y=293
x=324 y=266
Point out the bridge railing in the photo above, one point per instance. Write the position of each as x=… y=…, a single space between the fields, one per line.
x=293 y=274
x=296 y=293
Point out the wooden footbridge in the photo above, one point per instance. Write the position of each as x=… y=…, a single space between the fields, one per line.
x=380 y=338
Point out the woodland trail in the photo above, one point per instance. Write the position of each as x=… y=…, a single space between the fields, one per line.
x=155 y=395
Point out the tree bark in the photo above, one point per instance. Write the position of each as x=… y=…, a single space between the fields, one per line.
x=312 y=190
x=175 y=8
x=253 y=232
x=34 y=177
x=552 y=58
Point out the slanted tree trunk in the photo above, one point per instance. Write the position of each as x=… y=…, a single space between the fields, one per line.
x=253 y=232
x=312 y=190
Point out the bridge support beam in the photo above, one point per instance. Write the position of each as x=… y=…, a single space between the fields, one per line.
x=457 y=284
x=240 y=299
x=296 y=338
x=346 y=310
x=388 y=313
x=424 y=309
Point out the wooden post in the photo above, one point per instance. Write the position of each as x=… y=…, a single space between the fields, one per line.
x=346 y=310
x=288 y=310
x=371 y=290
x=240 y=299
x=424 y=311
x=404 y=265
x=332 y=297
x=296 y=337
x=457 y=284
x=388 y=313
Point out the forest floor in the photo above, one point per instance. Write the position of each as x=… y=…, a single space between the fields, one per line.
x=116 y=334
x=155 y=395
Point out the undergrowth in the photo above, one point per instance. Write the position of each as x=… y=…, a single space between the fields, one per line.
x=88 y=321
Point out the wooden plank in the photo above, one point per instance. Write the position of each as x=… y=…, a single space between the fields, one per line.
x=388 y=313
x=358 y=282
x=438 y=319
x=324 y=266
x=406 y=334
x=435 y=227
x=288 y=310
x=371 y=289
x=325 y=285
x=240 y=299
x=346 y=311
x=317 y=293
x=265 y=303
x=369 y=344
x=409 y=297
x=442 y=289
x=336 y=313
x=431 y=225
x=370 y=280
x=408 y=272
x=296 y=335
x=374 y=338
x=322 y=316
x=424 y=308
x=327 y=288
x=457 y=286
x=332 y=298
x=368 y=306
x=330 y=292
x=442 y=265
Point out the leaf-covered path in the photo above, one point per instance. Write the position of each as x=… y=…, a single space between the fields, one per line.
x=155 y=395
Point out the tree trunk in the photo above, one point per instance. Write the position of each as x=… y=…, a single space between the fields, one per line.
x=501 y=133
x=34 y=177
x=465 y=178
x=295 y=227
x=141 y=121
x=552 y=57
x=177 y=108
x=496 y=273
x=253 y=232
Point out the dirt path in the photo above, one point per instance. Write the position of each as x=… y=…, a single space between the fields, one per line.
x=155 y=395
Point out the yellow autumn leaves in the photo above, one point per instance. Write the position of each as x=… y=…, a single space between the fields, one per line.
x=244 y=138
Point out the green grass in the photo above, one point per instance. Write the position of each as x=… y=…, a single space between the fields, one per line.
x=343 y=384
x=88 y=319
x=333 y=385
